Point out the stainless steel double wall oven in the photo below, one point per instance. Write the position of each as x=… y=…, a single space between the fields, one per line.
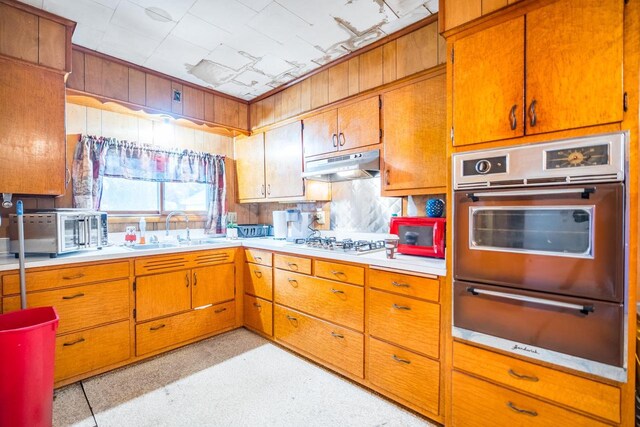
x=540 y=251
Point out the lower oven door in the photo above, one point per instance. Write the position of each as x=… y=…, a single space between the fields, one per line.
x=566 y=240
x=583 y=328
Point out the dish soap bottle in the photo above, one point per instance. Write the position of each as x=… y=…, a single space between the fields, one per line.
x=143 y=229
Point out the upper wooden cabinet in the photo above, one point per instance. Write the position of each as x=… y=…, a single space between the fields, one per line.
x=415 y=138
x=249 y=155
x=283 y=161
x=458 y=12
x=549 y=75
x=352 y=126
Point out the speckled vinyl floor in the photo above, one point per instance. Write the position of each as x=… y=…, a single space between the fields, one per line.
x=235 y=379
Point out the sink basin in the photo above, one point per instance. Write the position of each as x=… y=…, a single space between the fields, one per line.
x=148 y=246
x=205 y=241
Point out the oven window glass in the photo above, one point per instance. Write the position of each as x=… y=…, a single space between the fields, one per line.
x=70 y=232
x=415 y=235
x=565 y=231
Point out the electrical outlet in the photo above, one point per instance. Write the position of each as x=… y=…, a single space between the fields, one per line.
x=232 y=217
x=320 y=217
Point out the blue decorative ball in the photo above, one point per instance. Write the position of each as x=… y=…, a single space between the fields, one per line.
x=435 y=208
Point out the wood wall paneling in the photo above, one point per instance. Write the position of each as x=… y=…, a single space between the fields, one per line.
x=243 y=115
x=291 y=101
x=266 y=112
x=354 y=75
x=158 y=92
x=389 y=62
x=76 y=78
x=442 y=50
x=371 y=69
x=253 y=115
x=115 y=83
x=137 y=87
x=305 y=95
x=458 y=12
x=209 y=107
x=418 y=50
x=93 y=74
x=338 y=79
x=18 y=33
x=176 y=105
x=52 y=38
x=319 y=89
x=193 y=102
x=225 y=111
x=278 y=113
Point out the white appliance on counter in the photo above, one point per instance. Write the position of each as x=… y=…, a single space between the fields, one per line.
x=298 y=224
x=279 y=225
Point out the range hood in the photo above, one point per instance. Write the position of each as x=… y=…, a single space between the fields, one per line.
x=344 y=168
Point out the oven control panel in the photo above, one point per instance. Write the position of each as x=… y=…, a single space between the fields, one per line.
x=484 y=166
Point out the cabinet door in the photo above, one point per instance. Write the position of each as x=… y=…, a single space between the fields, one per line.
x=283 y=161
x=359 y=124
x=162 y=294
x=488 y=84
x=320 y=133
x=415 y=136
x=212 y=285
x=574 y=65
x=250 y=167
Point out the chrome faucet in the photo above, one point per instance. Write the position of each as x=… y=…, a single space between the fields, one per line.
x=186 y=218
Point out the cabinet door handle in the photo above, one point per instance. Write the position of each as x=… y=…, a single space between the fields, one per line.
x=337 y=291
x=523 y=377
x=74 y=296
x=293 y=319
x=258 y=273
x=387 y=179
x=341 y=139
x=75 y=276
x=220 y=310
x=195 y=279
x=533 y=119
x=155 y=328
x=268 y=189
x=400 y=285
x=401 y=307
x=337 y=273
x=257 y=305
x=262 y=190
x=292 y=281
x=521 y=411
x=397 y=359
x=258 y=258
x=186 y=279
x=67 y=180
x=293 y=265
x=336 y=335
x=513 y=118
x=78 y=341
x=334 y=140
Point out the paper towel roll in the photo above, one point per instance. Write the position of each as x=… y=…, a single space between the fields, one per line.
x=279 y=224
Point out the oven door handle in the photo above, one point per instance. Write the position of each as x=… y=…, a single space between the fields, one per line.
x=584 y=193
x=584 y=309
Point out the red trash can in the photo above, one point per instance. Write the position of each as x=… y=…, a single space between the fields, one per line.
x=27 y=347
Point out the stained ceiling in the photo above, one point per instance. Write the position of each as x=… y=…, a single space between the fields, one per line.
x=240 y=47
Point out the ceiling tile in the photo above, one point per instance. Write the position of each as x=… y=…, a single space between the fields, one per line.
x=109 y=3
x=432 y=5
x=199 y=32
x=230 y=57
x=296 y=51
x=326 y=35
x=175 y=8
x=128 y=45
x=235 y=89
x=278 y=23
x=363 y=15
x=272 y=65
x=34 y=3
x=134 y=18
x=248 y=40
x=226 y=14
x=211 y=73
x=87 y=36
x=256 y=5
x=176 y=49
x=251 y=78
x=312 y=11
x=177 y=69
x=86 y=12
x=397 y=24
x=404 y=7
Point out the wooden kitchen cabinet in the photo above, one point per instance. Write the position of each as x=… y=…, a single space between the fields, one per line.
x=415 y=138
x=458 y=12
x=249 y=153
x=569 y=75
x=213 y=284
x=162 y=294
x=283 y=161
x=351 y=126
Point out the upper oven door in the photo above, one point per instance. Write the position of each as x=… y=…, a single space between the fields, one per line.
x=565 y=240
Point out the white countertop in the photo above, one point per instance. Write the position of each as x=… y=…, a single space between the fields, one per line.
x=401 y=262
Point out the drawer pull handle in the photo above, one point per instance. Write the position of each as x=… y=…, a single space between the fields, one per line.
x=186 y=279
x=522 y=377
x=69 y=344
x=255 y=304
x=75 y=276
x=521 y=411
x=155 y=328
x=293 y=265
x=401 y=307
x=258 y=273
x=74 y=296
x=258 y=258
x=293 y=319
x=337 y=273
x=292 y=281
x=337 y=291
x=336 y=335
x=220 y=310
x=400 y=285
x=195 y=279
x=397 y=359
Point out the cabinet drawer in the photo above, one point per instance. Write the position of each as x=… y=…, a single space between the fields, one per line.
x=570 y=390
x=405 y=374
x=411 y=286
x=161 y=264
x=258 y=281
x=337 y=302
x=479 y=403
x=81 y=306
x=92 y=349
x=258 y=256
x=162 y=294
x=292 y=263
x=341 y=272
x=61 y=277
x=335 y=345
x=158 y=334
x=405 y=321
x=258 y=314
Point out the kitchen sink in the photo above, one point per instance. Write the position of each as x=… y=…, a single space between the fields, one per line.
x=148 y=246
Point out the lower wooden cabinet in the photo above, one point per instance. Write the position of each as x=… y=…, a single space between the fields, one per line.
x=81 y=352
x=162 y=294
x=340 y=347
x=404 y=374
x=258 y=314
x=479 y=403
